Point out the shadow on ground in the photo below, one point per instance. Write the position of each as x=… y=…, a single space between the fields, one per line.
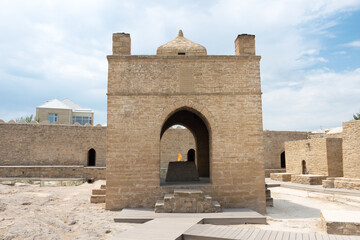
x=284 y=209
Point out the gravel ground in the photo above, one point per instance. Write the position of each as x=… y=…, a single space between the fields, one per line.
x=33 y=212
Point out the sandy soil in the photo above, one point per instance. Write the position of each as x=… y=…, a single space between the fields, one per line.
x=33 y=212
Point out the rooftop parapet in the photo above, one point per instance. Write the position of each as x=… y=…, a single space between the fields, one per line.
x=245 y=45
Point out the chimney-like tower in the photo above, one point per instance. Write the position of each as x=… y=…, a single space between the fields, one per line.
x=245 y=44
x=121 y=44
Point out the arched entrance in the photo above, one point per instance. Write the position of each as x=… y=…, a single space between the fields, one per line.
x=303 y=167
x=282 y=159
x=191 y=155
x=91 y=157
x=195 y=122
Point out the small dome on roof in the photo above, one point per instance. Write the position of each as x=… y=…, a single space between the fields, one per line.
x=181 y=46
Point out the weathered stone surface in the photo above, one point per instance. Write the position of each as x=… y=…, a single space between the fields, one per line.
x=224 y=92
x=351 y=149
x=308 y=179
x=53 y=172
x=347 y=183
x=182 y=172
x=97 y=199
x=340 y=222
x=320 y=156
x=274 y=145
x=283 y=177
x=187 y=201
x=328 y=183
x=269 y=171
x=46 y=145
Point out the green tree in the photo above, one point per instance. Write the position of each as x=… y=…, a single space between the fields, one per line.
x=28 y=118
x=356 y=116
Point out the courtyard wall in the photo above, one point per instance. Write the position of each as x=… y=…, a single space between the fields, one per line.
x=32 y=144
x=274 y=145
x=323 y=156
x=351 y=149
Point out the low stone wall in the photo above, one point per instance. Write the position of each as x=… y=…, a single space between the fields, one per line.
x=308 y=179
x=44 y=182
x=283 y=177
x=268 y=171
x=52 y=172
x=328 y=183
x=340 y=222
x=347 y=183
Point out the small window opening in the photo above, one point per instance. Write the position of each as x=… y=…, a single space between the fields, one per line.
x=303 y=166
x=181 y=53
x=282 y=158
x=91 y=157
x=191 y=155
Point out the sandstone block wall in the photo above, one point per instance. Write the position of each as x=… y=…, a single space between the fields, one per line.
x=52 y=172
x=143 y=91
x=274 y=145
x=351 y=149
x=322 y=156
x=38 y=144
x=173 y=142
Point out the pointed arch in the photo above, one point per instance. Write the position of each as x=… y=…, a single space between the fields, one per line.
x=199 y=126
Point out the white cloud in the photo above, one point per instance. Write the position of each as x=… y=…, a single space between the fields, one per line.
x=325 y=98
x=355 y=44
x=57 y=49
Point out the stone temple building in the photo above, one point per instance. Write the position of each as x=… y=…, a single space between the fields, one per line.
x=216 y=97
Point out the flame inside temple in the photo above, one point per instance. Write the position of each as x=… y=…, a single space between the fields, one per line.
x=179 y=157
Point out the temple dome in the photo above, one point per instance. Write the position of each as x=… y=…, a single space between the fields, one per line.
x=181 y=46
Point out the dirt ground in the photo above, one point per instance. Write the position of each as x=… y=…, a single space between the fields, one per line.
x=33 y=212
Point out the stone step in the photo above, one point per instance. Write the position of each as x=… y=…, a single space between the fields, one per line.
x=99 y=192
x=97 y=198
x=103 y=186
x=269 y=202
x=268 y=193
x=193 y=193
x=216 y=205
x=159 y=206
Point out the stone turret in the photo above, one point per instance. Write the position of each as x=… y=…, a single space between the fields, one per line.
x=245 y=44
x=121 y=44
x=181 y=46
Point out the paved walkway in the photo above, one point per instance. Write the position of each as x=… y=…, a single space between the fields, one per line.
x=314 y=188
x=159 y=229
x=206 y=232
x=226 y=217
x=193 y=226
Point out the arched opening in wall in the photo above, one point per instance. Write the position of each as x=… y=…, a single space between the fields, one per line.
x=303 y=167
x=193 y=165
x=191 y=155
x=91 y=157
x=282 y=159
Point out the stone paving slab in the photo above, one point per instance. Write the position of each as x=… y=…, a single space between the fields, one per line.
x=166 y=228
x=341 y=222
x=315 y=188
x=44 y=182
x=227 y=216
x=207 y=232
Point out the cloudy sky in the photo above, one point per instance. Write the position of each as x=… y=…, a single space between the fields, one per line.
x=310 y=67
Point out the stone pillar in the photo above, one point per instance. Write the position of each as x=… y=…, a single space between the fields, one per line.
x=121 y=44
x=245 y=44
